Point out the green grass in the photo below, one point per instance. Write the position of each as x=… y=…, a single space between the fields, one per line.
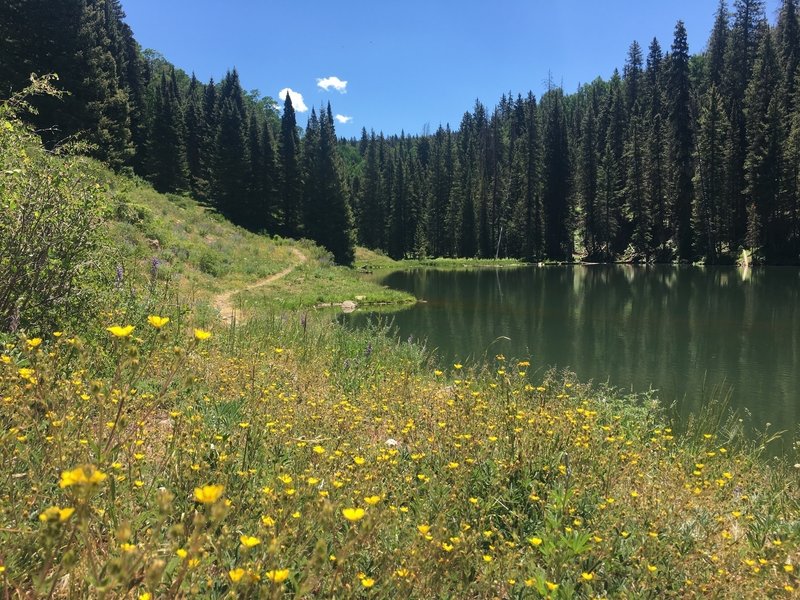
x=370 y=260
x=318 y=282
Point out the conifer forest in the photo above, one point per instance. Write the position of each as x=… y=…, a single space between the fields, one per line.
x=673 y=157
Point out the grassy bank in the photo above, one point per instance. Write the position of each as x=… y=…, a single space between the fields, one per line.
x=293 y=458
x=369 y=260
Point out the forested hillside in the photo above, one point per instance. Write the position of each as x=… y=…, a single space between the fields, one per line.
x=676 y=157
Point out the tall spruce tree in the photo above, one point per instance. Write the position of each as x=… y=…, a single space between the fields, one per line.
x=194 y=124
x=229 y=186
x=681 y=142
x=766 y=222
x=556 y=180
x=336 y=218
x=291 y=182
x=708 y=216
x=167 y=167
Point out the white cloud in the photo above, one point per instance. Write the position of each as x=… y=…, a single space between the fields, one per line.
x=297 y=99
x=332 y=82
x=343 y=119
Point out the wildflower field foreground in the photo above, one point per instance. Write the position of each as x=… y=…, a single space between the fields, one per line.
x=294 y=458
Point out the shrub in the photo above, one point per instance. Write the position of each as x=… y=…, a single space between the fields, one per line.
x=50 y=236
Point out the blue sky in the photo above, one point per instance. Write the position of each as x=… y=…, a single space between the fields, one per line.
x=409 y=63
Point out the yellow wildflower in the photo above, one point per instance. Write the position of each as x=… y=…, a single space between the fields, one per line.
x=201 y=334
x=372 y=500
x=81 y=476
x=208 y=494
x=55 y=513
x=353 y=514
x=535 y=541
x=157 y=322
x=236 y=574
x=278 y=575
x=120 y=332
x=248 y=541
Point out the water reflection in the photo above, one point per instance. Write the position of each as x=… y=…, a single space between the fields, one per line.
x=682 y=330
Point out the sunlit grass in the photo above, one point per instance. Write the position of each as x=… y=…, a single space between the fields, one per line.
x=293 y=457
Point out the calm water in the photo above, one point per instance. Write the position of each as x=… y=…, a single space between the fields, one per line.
x=688 y=332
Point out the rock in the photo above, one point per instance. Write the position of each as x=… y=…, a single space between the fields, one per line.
x=348 y=306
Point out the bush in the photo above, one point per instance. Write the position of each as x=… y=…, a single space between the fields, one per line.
x=51 y=241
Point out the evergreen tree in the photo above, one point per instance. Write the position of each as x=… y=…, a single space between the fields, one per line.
x=717 y=46
x=332 y=226
x=229 y=186
x=167 y=167
x=636 y=190
x=269 y=182
x=681 y=142
x=739 y=58
x=556 y=180
x=766 y=223
x=291 y=183
x=787 y=33
x=256 y=211
x=611 y=148
x=790 y=179
x=208 y=142
x=106 y=117
x=588 y=179
x=370 y=206
x=709 y=178
x=194 y=125
x=656 y=150
x=632 y=76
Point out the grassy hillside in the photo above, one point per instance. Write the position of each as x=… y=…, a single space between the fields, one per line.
x=198 y=254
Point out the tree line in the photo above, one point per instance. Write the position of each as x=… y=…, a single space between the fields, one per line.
x=676 y=157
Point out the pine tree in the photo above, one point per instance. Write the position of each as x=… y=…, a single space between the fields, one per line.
x=106 y=115
x=333 y=225
x=791 y=182
x=232 y=155
x=587 y=178
x=766 y=223
x=255 y=212
x=787 y=34
x=635 y=188
x=556 y=180
x=313 y=201
x=656 y=150
x=717 y=46
x=611 y=149
x=167 y=167
x=269 y=182
x=709 y=178
x=533 y=245
x=681 y=142
x=194 y=125
x=209 y=133
x=370 y=205
x=739 y=58
x=462 y=198
x=632 y=76
x=291 y=183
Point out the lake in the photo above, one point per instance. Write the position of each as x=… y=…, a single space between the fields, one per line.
x=691 y=333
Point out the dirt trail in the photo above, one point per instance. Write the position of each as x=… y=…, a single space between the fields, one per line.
x=223 y=302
